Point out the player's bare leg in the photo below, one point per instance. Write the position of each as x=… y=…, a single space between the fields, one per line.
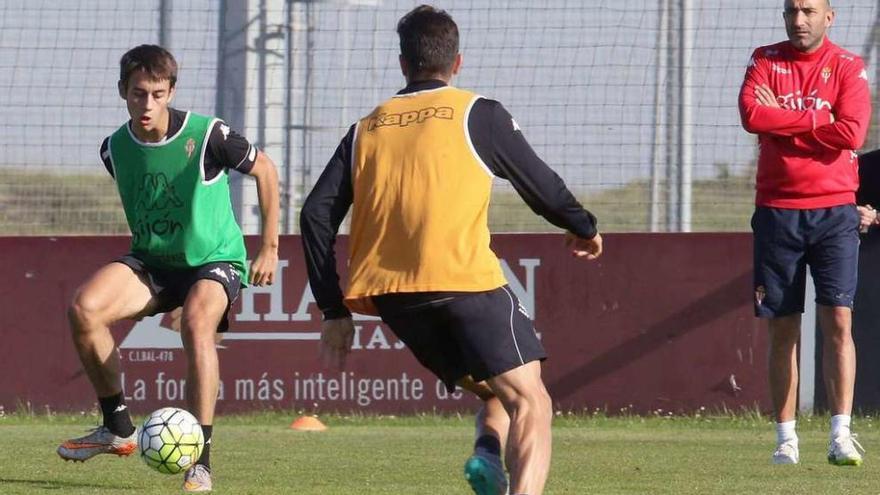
x=784 y=336
x=785 y=333
x=202 y=312
x=113 y=293
x=529 y=407
x=491 y=419
x=838 y=357
x=484 y=469
x=839 y=373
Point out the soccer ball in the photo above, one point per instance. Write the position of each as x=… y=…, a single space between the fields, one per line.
x=171 y=440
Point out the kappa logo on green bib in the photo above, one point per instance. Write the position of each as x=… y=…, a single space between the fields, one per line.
x=156 y=193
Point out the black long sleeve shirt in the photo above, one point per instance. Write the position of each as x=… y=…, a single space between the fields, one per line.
x=869 y=179
x=497 y=140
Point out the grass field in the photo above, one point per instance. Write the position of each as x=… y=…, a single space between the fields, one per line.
x=35 y=203
x=258 y=454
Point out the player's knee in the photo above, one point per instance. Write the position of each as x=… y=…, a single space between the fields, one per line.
x=535 y=403
x=84 y=312
x=198 y=326
x=783 y=337
x=544 y=403
x=839 y=323
x=783 y=343
x=837 y=336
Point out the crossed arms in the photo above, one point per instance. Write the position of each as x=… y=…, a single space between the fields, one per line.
x=805 y=121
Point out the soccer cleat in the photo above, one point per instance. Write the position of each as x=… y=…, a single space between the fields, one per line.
x=845 y=450
x=485 y=475
x=786 y=453
x=100 y=441
x=197 y=479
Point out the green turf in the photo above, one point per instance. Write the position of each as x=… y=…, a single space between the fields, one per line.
x=35 y=203
x=367 y=455
x=724 y=204
x=43 y=203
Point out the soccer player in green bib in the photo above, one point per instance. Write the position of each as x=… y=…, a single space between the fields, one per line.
x=187 y=251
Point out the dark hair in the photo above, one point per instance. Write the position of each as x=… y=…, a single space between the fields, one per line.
x=428 y=41
x=156 y=61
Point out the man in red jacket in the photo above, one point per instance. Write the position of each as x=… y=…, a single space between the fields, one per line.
x=809 y=103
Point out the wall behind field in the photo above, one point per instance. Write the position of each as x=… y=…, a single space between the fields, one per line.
x=660 y=324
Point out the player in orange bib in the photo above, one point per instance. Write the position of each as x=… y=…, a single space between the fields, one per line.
x=417 y=173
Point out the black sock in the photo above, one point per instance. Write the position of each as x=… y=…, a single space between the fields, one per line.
x=116 y=417
x=488 y=444
x=205 y=459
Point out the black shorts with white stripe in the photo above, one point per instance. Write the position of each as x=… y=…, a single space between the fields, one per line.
x=456 y=334
x=170 y=287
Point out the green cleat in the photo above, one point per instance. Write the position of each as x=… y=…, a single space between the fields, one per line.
x=485 y=475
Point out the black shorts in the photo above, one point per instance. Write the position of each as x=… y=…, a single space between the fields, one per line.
x=170 y=287
x=786 y=241
x=481 y=334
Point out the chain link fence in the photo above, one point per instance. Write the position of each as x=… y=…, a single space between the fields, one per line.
x=599 y=89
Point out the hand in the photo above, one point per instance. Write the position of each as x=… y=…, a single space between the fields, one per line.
x=337 y=336
x=584 y=248
x=263 y=267
x=765 y=96
x=867 y=217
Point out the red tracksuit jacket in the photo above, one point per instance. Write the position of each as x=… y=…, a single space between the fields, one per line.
x=806 y=161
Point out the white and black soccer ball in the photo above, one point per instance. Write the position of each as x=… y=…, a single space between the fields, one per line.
x=171 y=440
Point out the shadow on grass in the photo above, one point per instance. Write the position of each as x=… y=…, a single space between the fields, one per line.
x=61 y=484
